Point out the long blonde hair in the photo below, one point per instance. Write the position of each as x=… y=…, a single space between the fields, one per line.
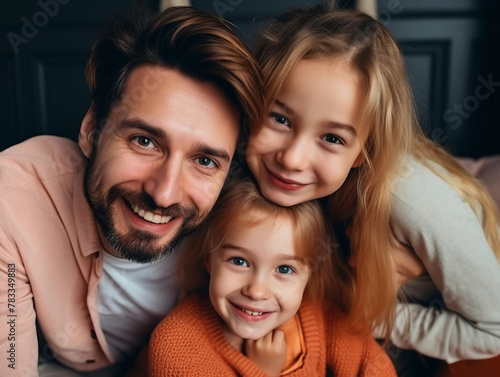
x=390 y=129
x=241 y=205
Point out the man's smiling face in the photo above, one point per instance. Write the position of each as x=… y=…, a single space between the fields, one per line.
x=160 y=161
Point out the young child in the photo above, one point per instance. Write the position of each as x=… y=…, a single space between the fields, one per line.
x=260 y=273
x=342 y=125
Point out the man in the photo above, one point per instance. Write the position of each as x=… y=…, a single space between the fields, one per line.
x=86 y=234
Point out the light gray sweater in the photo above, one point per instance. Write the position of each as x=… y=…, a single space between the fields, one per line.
x=452 y=312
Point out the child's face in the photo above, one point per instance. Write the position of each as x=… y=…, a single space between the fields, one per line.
x=256 y=283
x=310 y=140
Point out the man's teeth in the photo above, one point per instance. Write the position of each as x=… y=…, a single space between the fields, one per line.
x=250 y=312
x=151 y=217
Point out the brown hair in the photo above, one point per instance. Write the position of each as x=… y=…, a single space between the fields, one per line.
x=242 y=205
x=197 y=43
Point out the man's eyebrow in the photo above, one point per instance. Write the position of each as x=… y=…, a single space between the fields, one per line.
x=214 y=152
x=137 y=123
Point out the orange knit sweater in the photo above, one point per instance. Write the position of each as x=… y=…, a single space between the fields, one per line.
x=189 y=342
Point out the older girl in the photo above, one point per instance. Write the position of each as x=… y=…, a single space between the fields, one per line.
x=342 y=125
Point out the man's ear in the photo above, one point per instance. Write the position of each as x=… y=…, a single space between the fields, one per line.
x=87 y=133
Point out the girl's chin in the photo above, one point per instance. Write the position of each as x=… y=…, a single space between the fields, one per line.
x=278 y=197
x=252 y=336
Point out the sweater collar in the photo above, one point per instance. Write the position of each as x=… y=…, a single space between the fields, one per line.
x=312 y=327
x=88 y=235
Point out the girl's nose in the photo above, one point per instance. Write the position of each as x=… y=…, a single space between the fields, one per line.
x=295 y=155
x=257 y=290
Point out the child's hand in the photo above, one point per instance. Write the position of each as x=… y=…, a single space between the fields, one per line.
x=407 y=264
x=268 y=352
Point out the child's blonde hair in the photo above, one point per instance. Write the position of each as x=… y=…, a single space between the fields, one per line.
x=390 y=129
x=242 y=205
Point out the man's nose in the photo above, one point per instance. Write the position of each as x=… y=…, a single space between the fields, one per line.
x=166 y=183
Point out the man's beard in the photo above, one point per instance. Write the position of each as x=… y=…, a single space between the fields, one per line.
x=136 y=246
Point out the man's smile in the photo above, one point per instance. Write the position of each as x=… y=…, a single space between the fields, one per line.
x=150 y=216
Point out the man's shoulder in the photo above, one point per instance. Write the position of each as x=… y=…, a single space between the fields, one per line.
x=37 y=159
x=40 y=148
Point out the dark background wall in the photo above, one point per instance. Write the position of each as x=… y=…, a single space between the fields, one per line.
x=451 y=47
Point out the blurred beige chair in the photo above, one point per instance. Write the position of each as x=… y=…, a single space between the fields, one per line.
x=164 y=4
x=367 y=6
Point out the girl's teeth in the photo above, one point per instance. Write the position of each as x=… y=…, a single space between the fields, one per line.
x=250 y=312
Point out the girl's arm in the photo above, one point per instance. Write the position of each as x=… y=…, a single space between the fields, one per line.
x=453 y=313
x=408 y=266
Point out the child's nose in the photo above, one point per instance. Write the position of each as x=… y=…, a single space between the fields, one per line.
x=295 y=155
x=257 y=290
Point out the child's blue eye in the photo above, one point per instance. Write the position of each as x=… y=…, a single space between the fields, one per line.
x=239 y=262
x=285 y=270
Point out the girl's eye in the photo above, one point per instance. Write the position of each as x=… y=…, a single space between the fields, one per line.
x=332 y=139
x=206 y=162
x=144 y=141
x=285 y=270
x=279 y=118
x=239 y=262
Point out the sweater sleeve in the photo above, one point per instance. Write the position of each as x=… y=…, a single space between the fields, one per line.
x=353 y=352
x=180 y=347
x=453 y=313
x=376 y=363
x=169 y=355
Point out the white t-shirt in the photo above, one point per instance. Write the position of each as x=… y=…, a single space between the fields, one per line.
x=133 y=298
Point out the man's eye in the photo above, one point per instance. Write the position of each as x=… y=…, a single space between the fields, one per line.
x=285 y=270
x=281 y=119
x=144 y=141
x=207 y=162
x=239 y=262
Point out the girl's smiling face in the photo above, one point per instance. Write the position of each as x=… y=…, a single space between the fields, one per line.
x=311 y=138
x=256 y=280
